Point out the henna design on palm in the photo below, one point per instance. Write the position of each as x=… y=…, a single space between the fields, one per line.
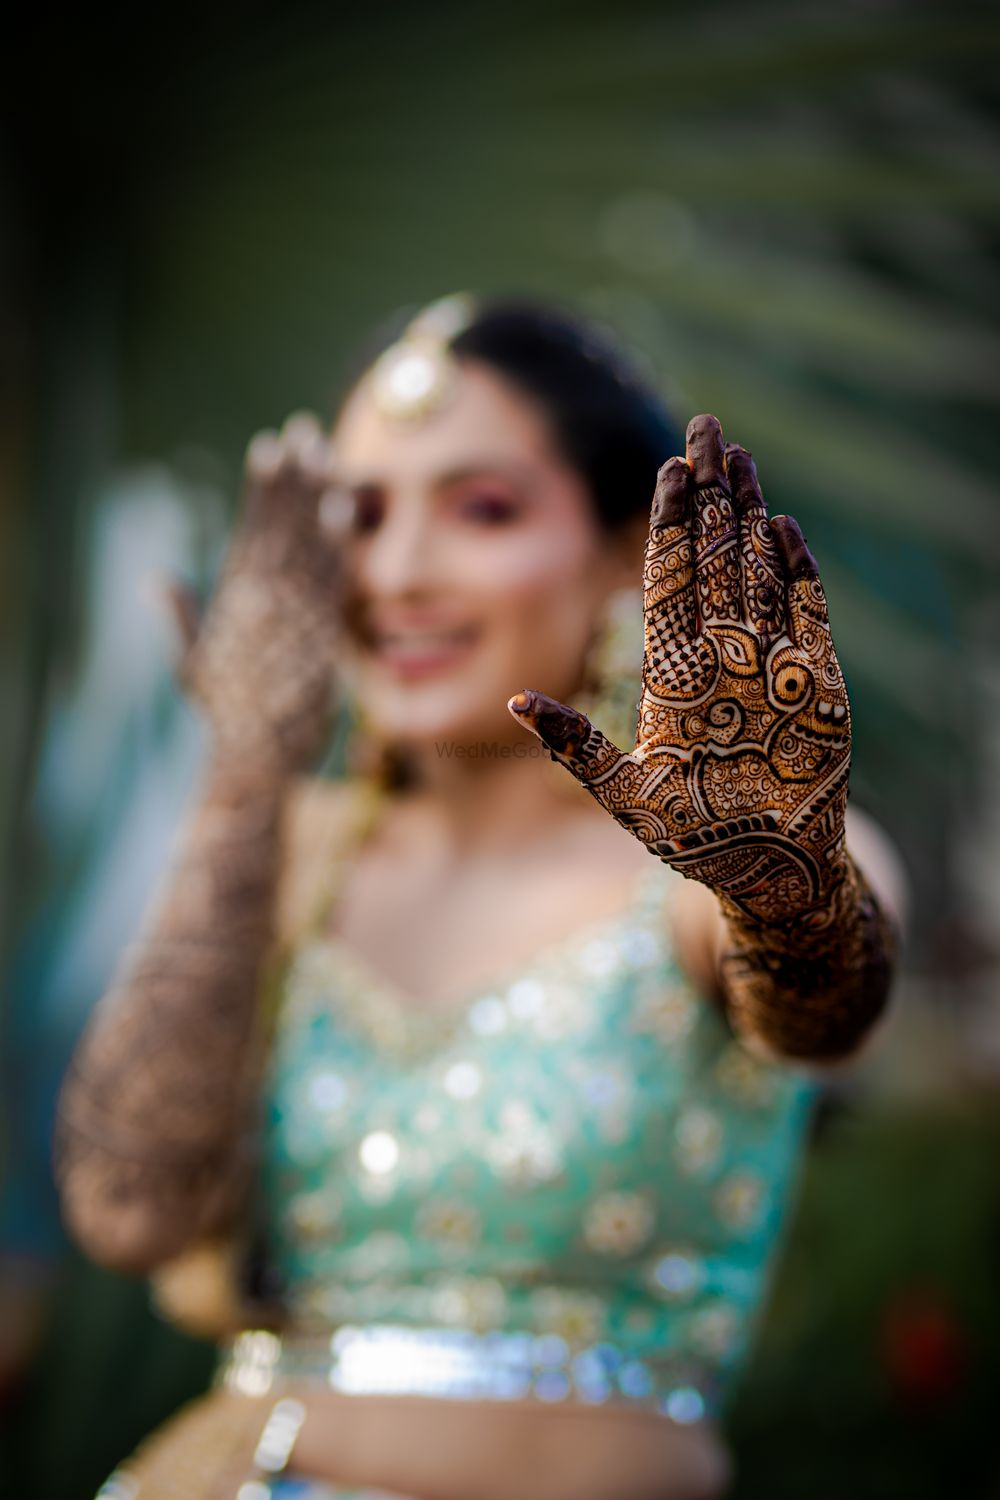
x=739 y=773
x=738 y=776
x=262 y=664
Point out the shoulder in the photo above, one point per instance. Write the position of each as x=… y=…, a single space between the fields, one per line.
x=881 y=862
x=319 y=819
x=314 y=801
x=697 y=923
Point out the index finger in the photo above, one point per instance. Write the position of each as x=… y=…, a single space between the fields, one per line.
x=668 y=602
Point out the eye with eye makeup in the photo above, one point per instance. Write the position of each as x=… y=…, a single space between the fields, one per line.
x=487 y=506
x=369 y=507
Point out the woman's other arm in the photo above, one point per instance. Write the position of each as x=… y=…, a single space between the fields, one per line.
x=154 y=1119
x=156 y=1114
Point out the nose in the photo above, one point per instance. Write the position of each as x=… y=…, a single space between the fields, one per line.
x=403 y=554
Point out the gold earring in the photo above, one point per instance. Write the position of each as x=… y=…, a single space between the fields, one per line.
x=365 y=756
x=613 y=668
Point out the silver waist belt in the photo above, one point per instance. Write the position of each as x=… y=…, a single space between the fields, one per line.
x=394 y=1359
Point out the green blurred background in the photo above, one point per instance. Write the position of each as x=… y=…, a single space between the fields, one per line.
x=791 y=213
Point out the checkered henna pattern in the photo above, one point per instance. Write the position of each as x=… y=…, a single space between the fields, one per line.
x=739 y=774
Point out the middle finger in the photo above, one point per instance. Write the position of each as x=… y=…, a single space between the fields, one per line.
x=716 y=548
x=763 y=583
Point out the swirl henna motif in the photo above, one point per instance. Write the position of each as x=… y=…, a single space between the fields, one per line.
x=739 y=773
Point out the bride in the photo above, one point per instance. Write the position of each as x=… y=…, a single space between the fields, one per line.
x=512 y=1112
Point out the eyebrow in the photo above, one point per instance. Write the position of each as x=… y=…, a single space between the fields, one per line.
x=506 y=468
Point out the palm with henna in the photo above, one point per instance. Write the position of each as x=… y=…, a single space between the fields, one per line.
x=738 y=777
x=262 y=664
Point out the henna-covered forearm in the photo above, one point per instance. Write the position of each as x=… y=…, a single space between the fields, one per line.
x=810 y=988
x=155 y=1117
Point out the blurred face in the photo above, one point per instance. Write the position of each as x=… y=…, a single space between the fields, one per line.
x=476 y=566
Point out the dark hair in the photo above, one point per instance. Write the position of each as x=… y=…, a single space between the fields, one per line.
x=607 y=419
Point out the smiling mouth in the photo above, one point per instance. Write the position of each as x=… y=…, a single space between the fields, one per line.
x=417 y=653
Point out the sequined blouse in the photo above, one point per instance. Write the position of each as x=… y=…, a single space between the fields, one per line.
x=578 y=1176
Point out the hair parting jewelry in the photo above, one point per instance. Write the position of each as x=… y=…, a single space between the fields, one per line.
x=415 y=376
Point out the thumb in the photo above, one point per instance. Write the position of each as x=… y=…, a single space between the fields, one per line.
x=176 y=600
x=573 y=740
x=564 y=730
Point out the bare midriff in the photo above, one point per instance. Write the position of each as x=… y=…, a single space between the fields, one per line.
x=430 y=1448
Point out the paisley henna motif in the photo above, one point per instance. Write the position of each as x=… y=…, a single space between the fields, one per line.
x=739 y=773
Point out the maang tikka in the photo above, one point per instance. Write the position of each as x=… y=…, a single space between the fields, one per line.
x=415 y=376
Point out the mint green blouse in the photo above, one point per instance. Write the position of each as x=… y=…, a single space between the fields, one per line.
x=582 y=1152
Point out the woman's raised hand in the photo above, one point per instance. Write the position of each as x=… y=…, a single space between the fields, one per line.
x=158 y=1112
x=738 y=777
x=261 y=662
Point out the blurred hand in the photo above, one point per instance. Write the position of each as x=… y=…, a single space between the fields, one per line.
x=261 y=664
x=205 y=1451
x=738 y=777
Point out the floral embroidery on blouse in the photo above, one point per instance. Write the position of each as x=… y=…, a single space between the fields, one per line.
x=584 y=1153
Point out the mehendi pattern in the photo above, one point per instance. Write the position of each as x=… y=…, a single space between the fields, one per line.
x=739 y=773
x=157 y=1115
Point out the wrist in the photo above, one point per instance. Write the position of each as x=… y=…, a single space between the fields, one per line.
x=784 y=910
x=271 y=748
x=234 y=778
x=811 y=986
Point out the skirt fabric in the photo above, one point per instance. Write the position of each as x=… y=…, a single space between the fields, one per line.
x=286 y=1488
x=204 y=1451
x=311 y=1489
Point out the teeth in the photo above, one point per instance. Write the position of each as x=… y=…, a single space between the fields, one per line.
x=423 y=642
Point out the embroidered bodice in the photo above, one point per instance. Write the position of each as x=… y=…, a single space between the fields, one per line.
x=583 y=1156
